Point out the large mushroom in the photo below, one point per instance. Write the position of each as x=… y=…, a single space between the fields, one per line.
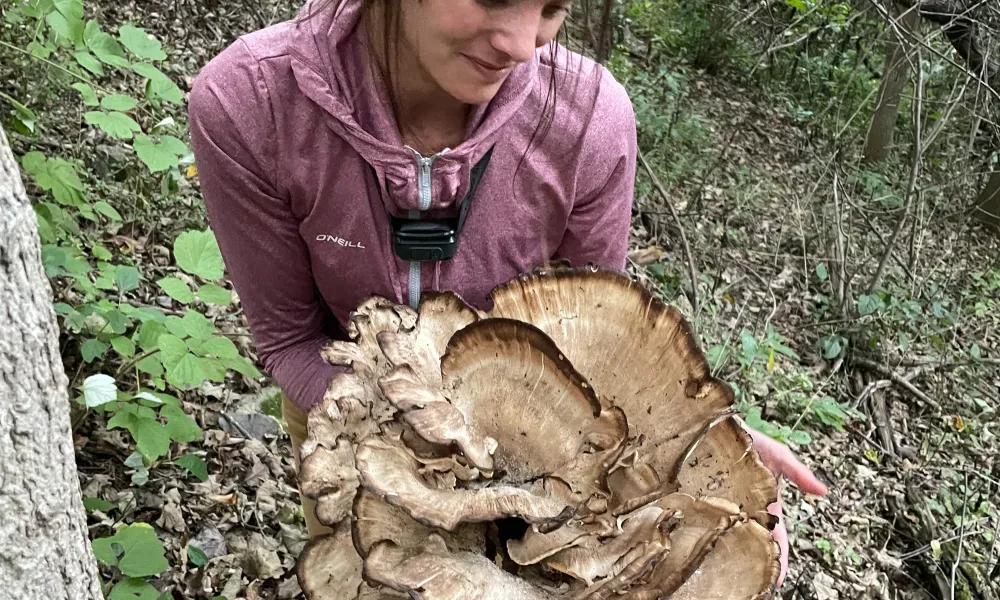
x=570 y=442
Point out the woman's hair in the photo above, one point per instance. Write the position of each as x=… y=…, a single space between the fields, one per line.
x=390 y=21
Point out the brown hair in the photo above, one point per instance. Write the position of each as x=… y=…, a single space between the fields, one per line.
x=390 y=19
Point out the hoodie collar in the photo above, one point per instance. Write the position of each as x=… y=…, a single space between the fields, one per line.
x=333 y=67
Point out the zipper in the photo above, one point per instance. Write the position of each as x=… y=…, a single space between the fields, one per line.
x=424 y=187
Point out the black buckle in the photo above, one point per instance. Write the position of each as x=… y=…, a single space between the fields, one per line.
x=423 y=240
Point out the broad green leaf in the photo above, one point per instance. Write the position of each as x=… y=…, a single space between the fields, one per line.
x=40 y=49
x=821 y=271
x=100 y=252
x=68 y=29
x=107 y=210
x=71 y=9
x=92 y=349
x=117 y=125
x=140 y=43
x=214 y=294
x=175 y=326
x=55 y=175
x=104 y=46
x=157 y=156
x=975 y=352
x=831 y=347
x=215 y=370
x=152 y=438
x=869 y=304
x=197 y=326
x=172 y=349
x=197 y=253
x=97 y=504
x=181 y=427
x=160 y=85
x=188 y=373
x=141 y=552
x=151 y=365
x=37 y=9
x=24 y=115
x=123 y=346
x=904 y=341
x=149 y=334
x=147 y=313
x=133 y=588
x=221 y=347
x=99 y=389
x=176 y=289
x=119 y=102
x=117 y=321
x=126 y=278
x=87 y=61
x=242 y=365
x=195 y=554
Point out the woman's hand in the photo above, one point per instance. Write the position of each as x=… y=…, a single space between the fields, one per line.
x=779 y=459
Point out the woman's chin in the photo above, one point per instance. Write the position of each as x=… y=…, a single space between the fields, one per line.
x=473 y=93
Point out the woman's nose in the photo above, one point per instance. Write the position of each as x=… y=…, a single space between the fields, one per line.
x=518 y=35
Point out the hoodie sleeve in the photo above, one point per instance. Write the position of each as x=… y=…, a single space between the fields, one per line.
x=233 y=138
x=598 y=229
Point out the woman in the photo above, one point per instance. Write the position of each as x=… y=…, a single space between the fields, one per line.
x=327 y=144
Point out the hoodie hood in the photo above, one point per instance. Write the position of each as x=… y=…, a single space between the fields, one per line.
x=333 y=66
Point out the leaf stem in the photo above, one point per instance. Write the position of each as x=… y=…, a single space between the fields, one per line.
x=50 y=63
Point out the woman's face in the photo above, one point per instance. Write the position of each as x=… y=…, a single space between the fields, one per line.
x=468 y=47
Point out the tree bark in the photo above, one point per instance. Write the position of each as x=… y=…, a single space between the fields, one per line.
x=988 y=203
x=44 y=547
x=896 y=73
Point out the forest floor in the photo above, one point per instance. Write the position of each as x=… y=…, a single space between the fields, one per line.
x=894 y=409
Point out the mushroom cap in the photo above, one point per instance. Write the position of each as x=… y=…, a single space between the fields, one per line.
x=636 y=351
x=569 y=443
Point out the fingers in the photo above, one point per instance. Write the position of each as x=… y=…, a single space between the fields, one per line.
x=800 y=475
x=780 y=536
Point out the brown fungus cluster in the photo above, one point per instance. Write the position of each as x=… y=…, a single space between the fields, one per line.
x=569 y=443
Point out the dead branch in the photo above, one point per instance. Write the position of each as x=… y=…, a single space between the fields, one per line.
x=895 y=377
x=692 y=269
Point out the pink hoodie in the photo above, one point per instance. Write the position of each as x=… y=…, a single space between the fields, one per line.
x=287 y=125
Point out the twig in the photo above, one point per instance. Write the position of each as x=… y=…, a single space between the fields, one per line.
x=692 y=270
x=961 y=537
x=896 y=378
x=914 y=173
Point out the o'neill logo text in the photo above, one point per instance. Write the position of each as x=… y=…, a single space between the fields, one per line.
x=339 y=240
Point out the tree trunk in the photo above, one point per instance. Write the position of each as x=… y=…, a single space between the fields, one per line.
x=896 y=73
x=44 y=547
x=988 y=203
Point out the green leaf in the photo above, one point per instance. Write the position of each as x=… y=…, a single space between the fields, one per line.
x=87 y=61
x=831 y=346
x=221 y=347
x=123 y=346
x=197 y=326
x=97 y=504
x=133 y=589
x=215 y=370
x=55 y=175
x=140 y=553
x=65 y=24
x=197 y=253
x=176 y=326
x=151 y=365
x=975 y=352
x=172 y=349
x=176 y=289
x=126 y=278
x=160 y=86
x=107 y=210
x=88 y=93
x=242 y=365
x=188 y=373
x=117 y=125
x=117 y=321
x=152 y=439
x=180 y=426
x=869 y=304
x=119 y=102
x=158 y=156
x=149 y=334
x=104 y=46
x=100 y=252
x=904 y=342
x=214 y=294
x=821 y=271
x=99 y=389
x=194 y=465
x=92 y=349
x=140 y=43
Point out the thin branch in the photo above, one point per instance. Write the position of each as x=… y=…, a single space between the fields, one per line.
x=692 y=270
x=896 y=378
